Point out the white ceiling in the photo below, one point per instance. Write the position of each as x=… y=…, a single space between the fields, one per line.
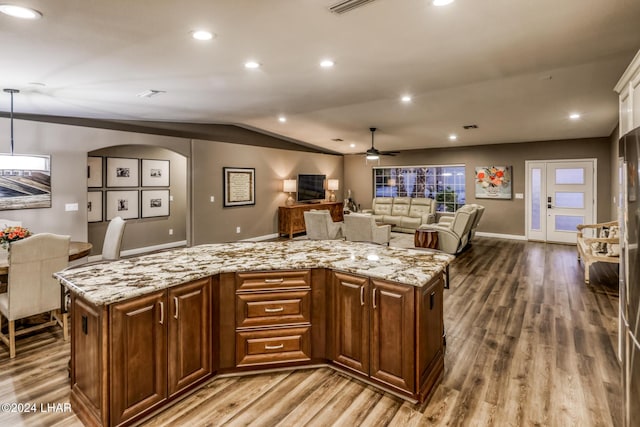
x=516 y=68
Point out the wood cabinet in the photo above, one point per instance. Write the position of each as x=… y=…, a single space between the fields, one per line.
x=628 y=89
x=134 y=357
x=376 y=327
x=157 y=346
x=291 y=218
x=273 y=318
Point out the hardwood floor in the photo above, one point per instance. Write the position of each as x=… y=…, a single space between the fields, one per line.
x=528 y=343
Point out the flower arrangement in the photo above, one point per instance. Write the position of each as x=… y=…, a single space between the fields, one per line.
x=491 y=177
x=13 y=234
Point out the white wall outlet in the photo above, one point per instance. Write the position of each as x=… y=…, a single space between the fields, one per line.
x=237 y=230
x=171 y=232
x=519 y=195
x=69 y=207
x=213 y=199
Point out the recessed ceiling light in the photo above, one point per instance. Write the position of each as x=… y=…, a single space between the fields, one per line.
x=453 y=137
x=202 y=35
x=574 y=116
x=20 y=12
x=282 y=119
x=327 y=63
x=352 y=145
x=406 y=98
x=441 y=2
x=251 y=64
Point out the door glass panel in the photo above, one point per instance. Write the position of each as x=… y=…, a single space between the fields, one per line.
x=536 y=185
x=569 y=200
x=568 y=222
x=570 y=176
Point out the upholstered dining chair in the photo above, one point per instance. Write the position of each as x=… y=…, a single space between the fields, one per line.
x=320 y=225
x=31 y=287
x=363 y=228
x=113 y=239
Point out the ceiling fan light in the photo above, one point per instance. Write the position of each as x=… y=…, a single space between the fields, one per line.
x=372 y=157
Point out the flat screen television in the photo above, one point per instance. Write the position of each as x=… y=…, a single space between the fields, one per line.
x=311 y=187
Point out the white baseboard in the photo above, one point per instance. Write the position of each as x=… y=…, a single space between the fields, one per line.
x=501 y=236
x=260 y=238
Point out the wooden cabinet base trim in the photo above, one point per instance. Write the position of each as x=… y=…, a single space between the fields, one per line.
x=84 y=410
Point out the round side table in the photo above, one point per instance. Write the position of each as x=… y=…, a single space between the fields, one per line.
x=426 y=239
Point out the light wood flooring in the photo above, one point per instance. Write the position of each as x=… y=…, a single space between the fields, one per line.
x=528 y=344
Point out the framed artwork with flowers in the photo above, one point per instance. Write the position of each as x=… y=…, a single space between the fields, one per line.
x=493 y=182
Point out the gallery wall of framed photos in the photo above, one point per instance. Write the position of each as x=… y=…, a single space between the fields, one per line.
x=131 y=188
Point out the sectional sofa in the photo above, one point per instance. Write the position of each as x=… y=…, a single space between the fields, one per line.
x=405 y=214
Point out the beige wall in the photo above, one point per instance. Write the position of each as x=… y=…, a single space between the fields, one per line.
x=214 y=223
x=68 y=147
x=501 y=216
x=146 y=232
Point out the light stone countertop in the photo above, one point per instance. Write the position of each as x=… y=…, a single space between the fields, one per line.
x=110 y=282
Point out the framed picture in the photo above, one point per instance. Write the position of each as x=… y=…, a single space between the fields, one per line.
x=122 y=172
x=239 y=186
x=155 y=203
x=94 y=206
x=26 y=181
x=493 y=182
x=94 y=172
x=123 y=204
x=155 y=173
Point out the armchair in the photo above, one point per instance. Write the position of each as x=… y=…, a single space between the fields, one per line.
x=320 y=225
x=363 y=228
x=453 y=235
x=476 y=220
x=31 y=287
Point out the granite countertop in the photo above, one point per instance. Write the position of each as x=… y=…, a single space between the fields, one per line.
x=110 y=282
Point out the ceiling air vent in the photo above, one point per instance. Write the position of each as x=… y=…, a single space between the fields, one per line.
x=347 y=5
x=470 y=126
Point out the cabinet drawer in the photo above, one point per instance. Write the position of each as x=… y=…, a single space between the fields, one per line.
x=273 y=346
x=272 y=308
x=273 y=280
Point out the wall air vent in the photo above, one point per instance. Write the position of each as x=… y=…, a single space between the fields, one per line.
x=470 y=126
x=347 y=5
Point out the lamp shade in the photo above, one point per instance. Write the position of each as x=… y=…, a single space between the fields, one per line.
x=289 y=186
x=333 y=184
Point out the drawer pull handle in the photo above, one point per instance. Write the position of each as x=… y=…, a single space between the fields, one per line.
x=375 y=290
x=274 y=347
x=175 y=302
x=161 y=312
x=361 y=295
x=273 y=310
x=280 y=280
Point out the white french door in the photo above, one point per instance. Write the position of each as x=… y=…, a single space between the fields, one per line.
x=560 y=195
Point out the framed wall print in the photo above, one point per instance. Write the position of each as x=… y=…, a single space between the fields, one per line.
x=155 y=173
x=122 y=172
x=493 y=182
x=123 y=204
x=26 y=181
x=239 y=186
x=155 y=203
x=94 y=172
x=94 y=206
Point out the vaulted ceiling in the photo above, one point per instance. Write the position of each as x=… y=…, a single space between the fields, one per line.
x=516 y=69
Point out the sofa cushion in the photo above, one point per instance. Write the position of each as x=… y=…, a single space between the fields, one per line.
x=420 y=207
x=382 y=205
x=391 y=219
x=412 y=223
x=401 y=206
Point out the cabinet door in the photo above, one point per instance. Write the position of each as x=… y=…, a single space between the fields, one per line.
x=430 y=329
x=138 y=355
x=189 y=319
x=392 y=334
x=351 y=322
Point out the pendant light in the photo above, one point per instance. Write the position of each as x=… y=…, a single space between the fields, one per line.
x=12 y=91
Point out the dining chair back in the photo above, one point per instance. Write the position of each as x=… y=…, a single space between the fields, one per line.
x=31 y=287
x=113 y=239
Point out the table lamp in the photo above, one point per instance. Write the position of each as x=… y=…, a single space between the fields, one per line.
x=289 y=186
x=332 y=185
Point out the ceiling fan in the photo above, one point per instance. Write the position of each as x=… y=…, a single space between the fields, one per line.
x=373 y=153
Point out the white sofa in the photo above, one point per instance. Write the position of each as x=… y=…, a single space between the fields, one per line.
x=404 y=214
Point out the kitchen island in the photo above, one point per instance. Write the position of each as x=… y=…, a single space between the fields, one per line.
x=148 y=330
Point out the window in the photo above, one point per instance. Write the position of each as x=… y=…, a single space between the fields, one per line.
x=445 y=184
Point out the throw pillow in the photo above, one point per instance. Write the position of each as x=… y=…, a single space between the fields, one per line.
x=600 y=247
